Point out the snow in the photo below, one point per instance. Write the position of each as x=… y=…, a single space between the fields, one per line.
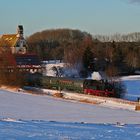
x=37 y=107
x=132 y=84
x=44 y=130
x=27 y=116
x=49 y=71
x=131 y=77
x=67 y=71
x=132 y=89
x=102 y=101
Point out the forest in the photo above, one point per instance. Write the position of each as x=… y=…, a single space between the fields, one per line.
x=81 y=49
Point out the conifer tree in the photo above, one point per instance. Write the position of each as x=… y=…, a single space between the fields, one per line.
x=88 y=59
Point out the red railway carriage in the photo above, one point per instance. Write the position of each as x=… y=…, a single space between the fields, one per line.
x=98 y=88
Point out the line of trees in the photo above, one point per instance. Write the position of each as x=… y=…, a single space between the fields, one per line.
x=132 y=37
x=79 y=49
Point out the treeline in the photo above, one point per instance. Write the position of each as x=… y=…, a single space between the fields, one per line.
x=132 y=37
x=54 y=44
x=79 y=49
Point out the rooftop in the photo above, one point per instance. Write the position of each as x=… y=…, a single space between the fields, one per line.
x=8 y=40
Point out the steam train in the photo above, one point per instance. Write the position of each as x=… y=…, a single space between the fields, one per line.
x=99 y=88
x=84 y=86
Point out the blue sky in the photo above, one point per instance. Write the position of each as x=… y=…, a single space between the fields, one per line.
x=94 y=16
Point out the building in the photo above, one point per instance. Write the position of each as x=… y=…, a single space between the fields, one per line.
x=17 y=56
x=15 y=42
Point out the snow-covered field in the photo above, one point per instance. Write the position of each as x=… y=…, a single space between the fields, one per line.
x=133 y=90
x=132 y=84
x=38 y=107
x=25 y=116
x=44 y=130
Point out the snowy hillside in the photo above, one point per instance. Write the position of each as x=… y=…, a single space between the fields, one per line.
x=38 y=107
x=26 y=116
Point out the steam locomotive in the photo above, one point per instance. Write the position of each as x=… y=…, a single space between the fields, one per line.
x=99 y=88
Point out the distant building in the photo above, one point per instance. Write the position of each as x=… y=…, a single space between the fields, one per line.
x=16 y=42
x=18 y=56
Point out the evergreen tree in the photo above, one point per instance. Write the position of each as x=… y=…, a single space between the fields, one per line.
x=88 y=58
x=118 y=57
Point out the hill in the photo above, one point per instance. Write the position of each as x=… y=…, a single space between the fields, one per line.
x=52 y=44
x=80 y=49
